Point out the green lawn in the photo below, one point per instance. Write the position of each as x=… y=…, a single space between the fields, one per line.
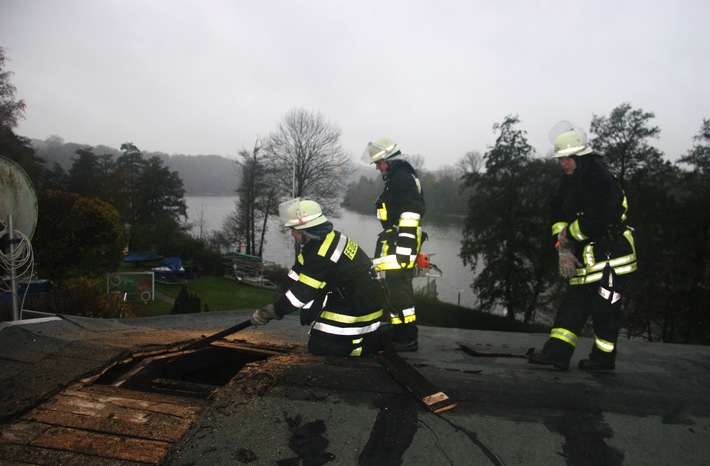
x=217 y=293
x=223 y=294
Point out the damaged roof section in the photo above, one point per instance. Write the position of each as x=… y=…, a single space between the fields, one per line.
x=106 y=392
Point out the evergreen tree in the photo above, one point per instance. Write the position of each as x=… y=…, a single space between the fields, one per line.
x=622 y=138
x=83 y=173
x=506 y=226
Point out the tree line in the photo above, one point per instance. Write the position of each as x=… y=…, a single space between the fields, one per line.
x=202 y=175
x=501 y=198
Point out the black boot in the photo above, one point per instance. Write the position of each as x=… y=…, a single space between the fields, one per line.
x=405 y=337
x=555 y=353
x=401 y=346
x=547 y=360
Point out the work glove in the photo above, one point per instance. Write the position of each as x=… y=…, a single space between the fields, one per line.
x=264 y=315
x=568 y=263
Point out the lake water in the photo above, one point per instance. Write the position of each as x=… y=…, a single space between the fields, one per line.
x=443 y=245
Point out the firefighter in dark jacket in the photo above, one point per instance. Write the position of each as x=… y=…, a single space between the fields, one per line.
x=400 y=208
x=595 y=249
x=330 y=284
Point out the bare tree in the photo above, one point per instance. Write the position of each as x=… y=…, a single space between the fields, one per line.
x=257 y=199
x=306 y=153
x=471 y=162
x=200 y=222
x=417 y=161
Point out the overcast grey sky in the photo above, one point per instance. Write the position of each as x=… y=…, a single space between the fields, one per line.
x=210 y=76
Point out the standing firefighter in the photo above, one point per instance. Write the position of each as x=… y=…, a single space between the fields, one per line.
x=330 y=284
x=400 y=208
x=596 y=253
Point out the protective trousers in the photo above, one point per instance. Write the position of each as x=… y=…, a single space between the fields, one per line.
x=399 y=305
x=324 y=344
x=580 y=303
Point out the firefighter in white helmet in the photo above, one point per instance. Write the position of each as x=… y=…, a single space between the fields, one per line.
x=400 y=208
x=595 y=249
x=330 y=284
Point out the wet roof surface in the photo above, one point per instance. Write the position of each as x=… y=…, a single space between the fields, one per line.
x=288 y=407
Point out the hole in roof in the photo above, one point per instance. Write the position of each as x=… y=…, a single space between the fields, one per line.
x=195 y=373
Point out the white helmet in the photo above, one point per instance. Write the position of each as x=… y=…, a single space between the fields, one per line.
x=380 y=150
x=301 y=214
x=569 y=140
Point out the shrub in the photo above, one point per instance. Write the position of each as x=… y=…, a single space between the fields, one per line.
x=186 y=303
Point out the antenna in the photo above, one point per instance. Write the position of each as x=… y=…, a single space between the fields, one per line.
x=18 y=219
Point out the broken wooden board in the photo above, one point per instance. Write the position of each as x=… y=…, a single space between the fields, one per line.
x=433 y=398
x=494 y=354
x=93 y=424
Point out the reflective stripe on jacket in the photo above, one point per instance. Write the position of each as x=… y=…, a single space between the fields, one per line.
x=400 y=208
x=335 y=274
x=591 y=205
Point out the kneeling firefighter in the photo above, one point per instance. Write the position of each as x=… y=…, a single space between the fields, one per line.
x=331 y=284
x=595 y=249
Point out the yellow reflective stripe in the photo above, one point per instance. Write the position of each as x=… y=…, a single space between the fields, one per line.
x=576 y=232
x=409 y=315
x=418 y=183
x=312 y=282
x=346 y=319
x=558 y=227
x=625 y=205
x=408 y=223
x=407 y=320
x=595 y=277
x=409 y=219
x=587 y=255
x=591 y=266
x=357 y=351
x=332 y=329
x=630 y=238
x=614 y=263
x=300 y=258
x=390 y=262
x=564 y=335
x=603 y=345
x=326 y=244
x=382 y=213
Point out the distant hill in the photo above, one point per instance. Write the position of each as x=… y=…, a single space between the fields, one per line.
x=202 y=175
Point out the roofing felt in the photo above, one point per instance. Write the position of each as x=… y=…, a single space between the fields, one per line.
x=285 y=406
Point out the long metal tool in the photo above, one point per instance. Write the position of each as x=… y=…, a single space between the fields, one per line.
x=226 y=332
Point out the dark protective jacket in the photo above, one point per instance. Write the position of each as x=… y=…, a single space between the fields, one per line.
x=331 y=284
x=400 y=208
x=592 y=206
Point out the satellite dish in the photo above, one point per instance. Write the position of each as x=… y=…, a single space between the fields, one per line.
x=17 y=198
